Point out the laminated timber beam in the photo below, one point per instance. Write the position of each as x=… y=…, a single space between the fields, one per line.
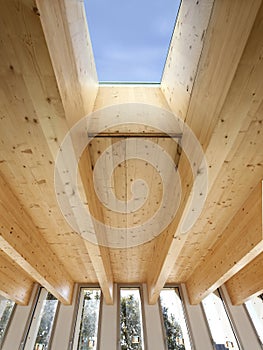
x=247 y=283
x=240 y=243
x=233 y=156
x=15 y=283
x=21 y=241
x=67 y=38
x=200 y=108
x=32 y=121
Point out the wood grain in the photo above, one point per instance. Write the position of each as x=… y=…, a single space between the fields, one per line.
x=240 y=243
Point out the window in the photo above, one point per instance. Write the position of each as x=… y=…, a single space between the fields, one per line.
x=175 y=327
x=130 y=39
x=219 y=323
x=42 y=323
x=131 y=324
x=6 y=309
x=86 y=330
x=255 y=309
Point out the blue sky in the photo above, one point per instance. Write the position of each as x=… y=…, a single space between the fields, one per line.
x=130 y=39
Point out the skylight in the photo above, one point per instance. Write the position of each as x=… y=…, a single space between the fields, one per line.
x=130 y=39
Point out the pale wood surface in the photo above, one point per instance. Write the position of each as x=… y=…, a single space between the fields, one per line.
x=240 y=243
x=29 y=96
x=78 y=89
x=15 y=283
x=216 y=69
x=23 y=243
x=238 y=138
x=184 y=54
x=247 y=282
x=212 y=81
x=131 y=265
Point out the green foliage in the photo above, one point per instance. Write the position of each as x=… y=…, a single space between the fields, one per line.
x=130 y=323
x=8 y=307
x=89 y=320
x=174 y=334
x=47 y=317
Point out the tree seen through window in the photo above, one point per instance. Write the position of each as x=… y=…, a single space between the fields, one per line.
x=131 y=332
x=6 y=308
x=47 y=316
x=89 y=319
x=175 y=327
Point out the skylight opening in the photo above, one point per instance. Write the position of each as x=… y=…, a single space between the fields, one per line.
x=130 y=39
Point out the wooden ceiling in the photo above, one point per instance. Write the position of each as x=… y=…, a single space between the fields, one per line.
x=213 y=81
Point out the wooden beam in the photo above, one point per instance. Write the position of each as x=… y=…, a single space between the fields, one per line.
x=212 y=79
x=15 y=283
x=240 y=243
x=24 y=244
x=32 y=127
x=233 y=155
x=247 y=283
x=68 y=41
x=69 y=45
x=184 y=54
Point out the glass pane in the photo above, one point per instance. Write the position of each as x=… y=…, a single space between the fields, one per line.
x=131 y=329
x=177 y=336
x=219 y=324
x=6 y=308
x=89 y=320
x=130 y=39
x=47 y=316
x=255 y=309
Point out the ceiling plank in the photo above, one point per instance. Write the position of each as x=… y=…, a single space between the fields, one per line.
x=30 y=103
x=218 y=63
x=233 y=156
x=131 y=265
x=247 y=283
x=240 y=243
x=25 y=245
x=69 y=45
x=15 y=284
x=111 y=95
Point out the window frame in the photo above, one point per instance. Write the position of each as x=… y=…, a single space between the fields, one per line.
x=76 y=313
x=140 y=288
x=252 y=324
x=229 y=316
x=2 y=341
x=31 y=319
x=186 y=316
